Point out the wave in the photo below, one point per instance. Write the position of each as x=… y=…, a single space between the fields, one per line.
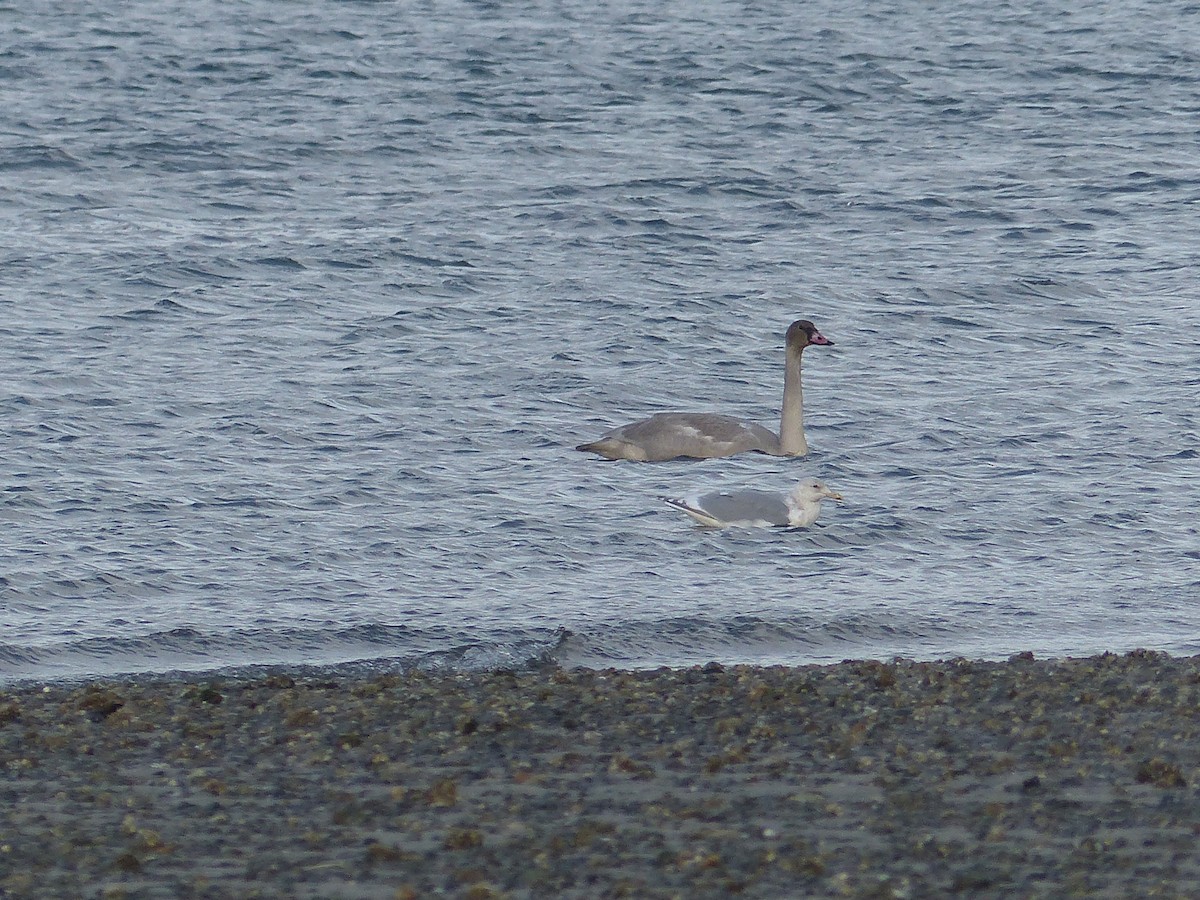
x=362 y=647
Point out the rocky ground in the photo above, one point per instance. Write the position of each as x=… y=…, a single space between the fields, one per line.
x=1027 y=778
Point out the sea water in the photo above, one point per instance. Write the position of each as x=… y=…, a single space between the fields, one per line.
x=304 y=307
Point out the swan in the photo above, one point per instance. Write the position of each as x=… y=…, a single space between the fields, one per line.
x=796 y=509
x=707 y=435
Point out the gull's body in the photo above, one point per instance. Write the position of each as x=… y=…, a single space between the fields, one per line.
x=749 y=508
x=709 y=435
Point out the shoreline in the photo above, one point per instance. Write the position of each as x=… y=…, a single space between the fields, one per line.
x=1054 y=778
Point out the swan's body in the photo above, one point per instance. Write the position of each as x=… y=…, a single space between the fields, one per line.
x=707 y=435
x=796 y=509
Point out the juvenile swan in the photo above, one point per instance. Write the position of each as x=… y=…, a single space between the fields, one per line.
x=798 y=508
x=706 y=435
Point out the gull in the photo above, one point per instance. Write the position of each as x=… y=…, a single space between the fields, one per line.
x=749 y=508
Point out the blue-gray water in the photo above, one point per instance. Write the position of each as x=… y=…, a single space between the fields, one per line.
x=303 y=308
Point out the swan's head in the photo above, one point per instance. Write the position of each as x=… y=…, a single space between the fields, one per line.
x=812 y=491
x=802 y=333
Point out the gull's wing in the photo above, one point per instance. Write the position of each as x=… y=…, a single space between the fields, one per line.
x=735 y=508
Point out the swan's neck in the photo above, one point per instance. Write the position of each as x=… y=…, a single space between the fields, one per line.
x=791 y=421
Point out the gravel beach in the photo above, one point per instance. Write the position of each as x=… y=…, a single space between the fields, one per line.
x=1025 y=778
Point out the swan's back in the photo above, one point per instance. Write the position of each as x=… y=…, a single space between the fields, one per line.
x=672 y=435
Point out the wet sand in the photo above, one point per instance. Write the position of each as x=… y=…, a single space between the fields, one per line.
x=1026 y=778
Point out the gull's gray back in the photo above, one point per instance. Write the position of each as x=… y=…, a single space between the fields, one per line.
x=745 y=506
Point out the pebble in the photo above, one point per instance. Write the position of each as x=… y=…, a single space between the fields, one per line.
x=1038 y=778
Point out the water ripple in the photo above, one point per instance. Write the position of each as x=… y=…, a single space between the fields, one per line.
x=302 y=316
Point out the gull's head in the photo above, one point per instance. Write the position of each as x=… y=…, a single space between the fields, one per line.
x=812 y=491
